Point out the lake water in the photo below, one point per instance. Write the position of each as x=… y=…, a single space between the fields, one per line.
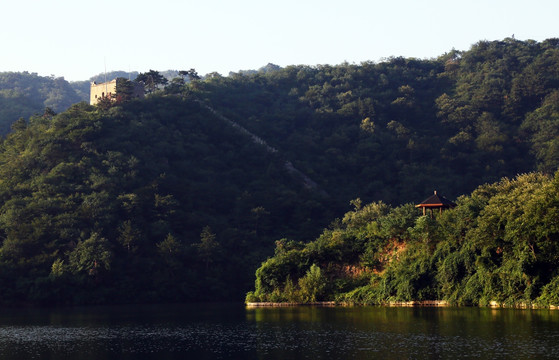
x=230 y=331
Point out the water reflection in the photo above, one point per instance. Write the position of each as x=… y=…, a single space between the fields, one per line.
x=425 y=333
x=233 y=332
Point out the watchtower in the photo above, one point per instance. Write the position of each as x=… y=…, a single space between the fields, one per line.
x=99 y=91
x=108 y=90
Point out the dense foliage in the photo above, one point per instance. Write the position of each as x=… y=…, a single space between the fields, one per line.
x=154 y=200
x=501 y=244
x=396 y=130
x=25 y=94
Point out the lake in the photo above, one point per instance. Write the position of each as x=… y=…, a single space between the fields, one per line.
x=231 y=331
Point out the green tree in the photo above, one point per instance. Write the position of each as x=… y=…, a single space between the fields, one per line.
x=124 y=89
x=19 y=125
x=207 y=247
x=543 y=126
x=258 y=213
x=312 y=285
x=169 y=247
x=151 y=80
x=128 y=236
x=92 y=256
x=191 y=74
x=176 y=86
x=57 y=268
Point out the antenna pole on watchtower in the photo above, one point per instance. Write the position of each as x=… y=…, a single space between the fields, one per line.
x=106 y=88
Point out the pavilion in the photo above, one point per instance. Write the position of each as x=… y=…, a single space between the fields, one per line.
x=435 y=201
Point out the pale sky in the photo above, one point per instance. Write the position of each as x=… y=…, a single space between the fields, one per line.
x=77 y=39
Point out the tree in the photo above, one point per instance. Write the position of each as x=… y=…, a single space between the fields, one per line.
x=368 y=125
x=105 y=103
x=312 y=285
x=543 y=125
x=57 y=268
x=19 y=125
x=258 y=213
x=48 y=113
x=124 y=89
x=207 y=246
x=176 y=86
x=128 y=235
x=151 y=80
x=169 y=247
x=92 y=255
x=191 y=74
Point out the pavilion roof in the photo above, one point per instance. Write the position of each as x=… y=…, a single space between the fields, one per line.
x=436 y=201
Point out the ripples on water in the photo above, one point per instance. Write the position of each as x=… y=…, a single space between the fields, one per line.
x=285 y=334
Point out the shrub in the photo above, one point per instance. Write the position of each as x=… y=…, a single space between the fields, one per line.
x=312 y=284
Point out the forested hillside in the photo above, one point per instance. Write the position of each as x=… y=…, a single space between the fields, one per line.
x=182 y=195
x=396 y=130
x=25 y=94
x=500 y=244
x=154 y=200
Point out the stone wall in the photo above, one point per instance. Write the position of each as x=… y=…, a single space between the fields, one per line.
x=107 y=89
x=102 y=90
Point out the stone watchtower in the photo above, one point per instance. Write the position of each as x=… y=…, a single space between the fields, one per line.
x=108 y=89
x=99 y=91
